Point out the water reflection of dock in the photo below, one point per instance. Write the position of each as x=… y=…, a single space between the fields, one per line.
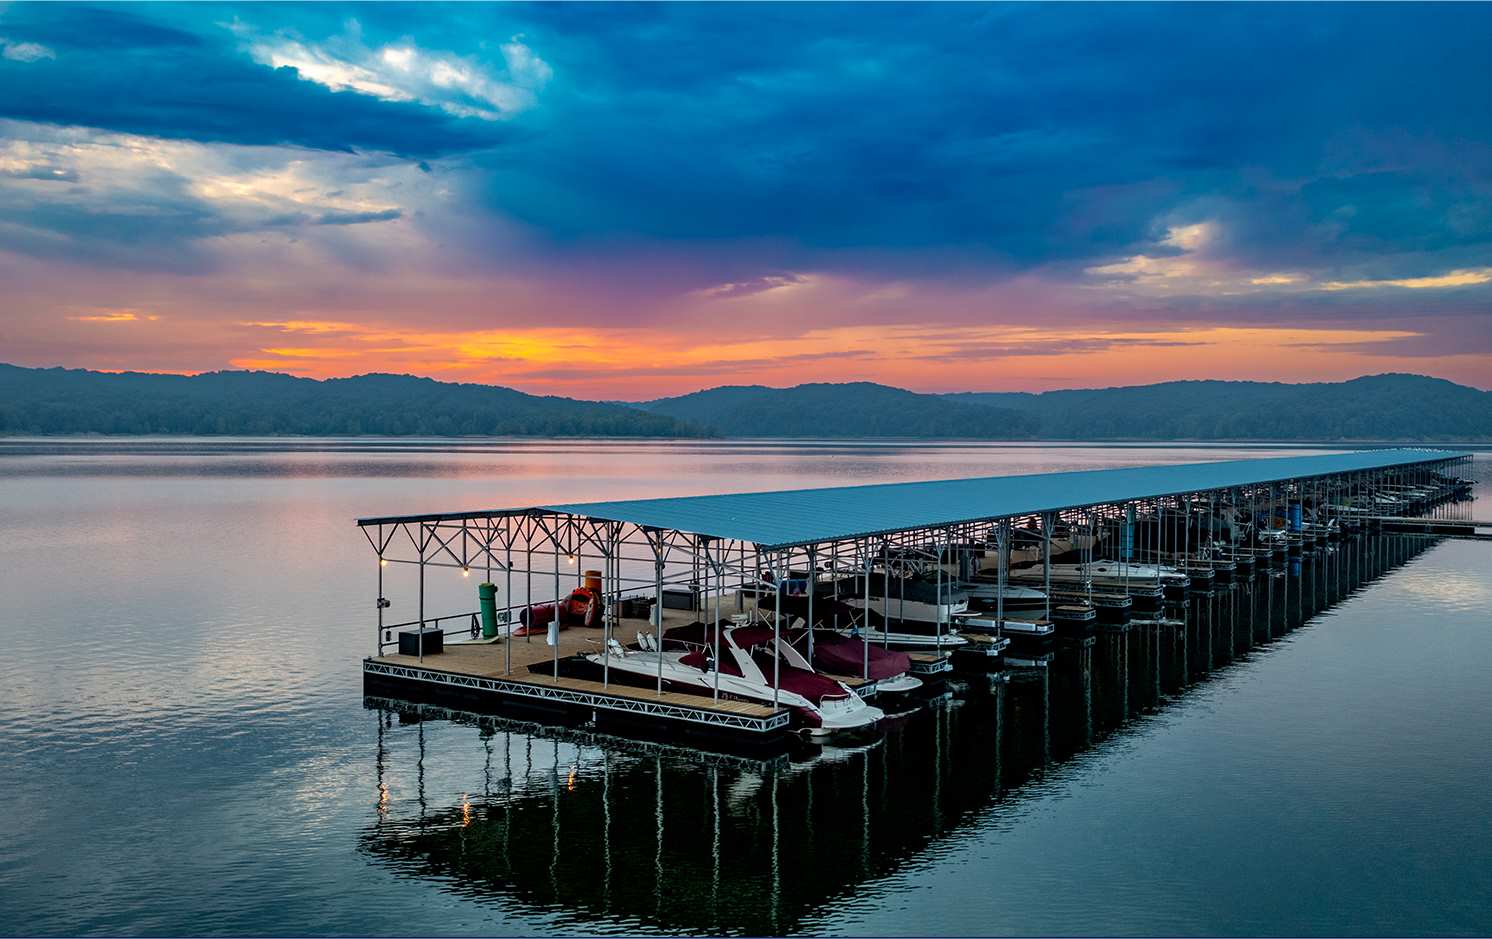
x=626 y=834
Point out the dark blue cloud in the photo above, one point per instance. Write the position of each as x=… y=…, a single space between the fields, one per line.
x=123 y=69
x=1016 y=135
x=876 y=138
x=75 y=27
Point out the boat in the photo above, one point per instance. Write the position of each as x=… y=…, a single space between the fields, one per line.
x=914 y=613
x=837 y=654
x=984 y=591
x=1108 y=573
x=1272 y=537
x=580 y=608
x=834 y=652
x=1028 y=546
x=745 y=670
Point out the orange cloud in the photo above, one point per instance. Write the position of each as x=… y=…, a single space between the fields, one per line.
x=116 y=316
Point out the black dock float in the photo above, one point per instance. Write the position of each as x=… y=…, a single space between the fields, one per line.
x=1453 y=527
x=446 y=681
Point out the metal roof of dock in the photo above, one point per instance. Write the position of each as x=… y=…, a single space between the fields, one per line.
x=813 y=516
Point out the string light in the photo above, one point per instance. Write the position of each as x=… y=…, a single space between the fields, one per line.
x=383 y=562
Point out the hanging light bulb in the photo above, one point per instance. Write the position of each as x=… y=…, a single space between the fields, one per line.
x=570 y=559
x=465 y=572
x=383 y=562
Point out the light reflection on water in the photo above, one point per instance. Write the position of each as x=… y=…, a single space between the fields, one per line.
x=188 y=751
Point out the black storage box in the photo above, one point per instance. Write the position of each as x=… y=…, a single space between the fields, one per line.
x=680 y=599
x=636 y=607
x=409 y=641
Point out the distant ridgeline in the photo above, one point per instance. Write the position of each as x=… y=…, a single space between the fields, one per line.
x=62 y=401
x=855 y=409
x=1375 y=407
x=1381 y=407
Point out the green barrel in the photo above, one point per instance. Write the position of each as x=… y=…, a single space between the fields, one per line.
x=488 y=595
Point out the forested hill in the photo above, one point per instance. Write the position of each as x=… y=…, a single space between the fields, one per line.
x=1376 y=407
x=1379 y=407
x=59 y=401
x=854 y=409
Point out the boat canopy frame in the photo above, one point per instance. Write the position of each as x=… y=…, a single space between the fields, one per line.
x=550 y=547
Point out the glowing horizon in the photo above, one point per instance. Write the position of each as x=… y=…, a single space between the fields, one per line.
x=604 y=372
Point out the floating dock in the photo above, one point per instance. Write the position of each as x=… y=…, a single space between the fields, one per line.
x=529 y=672
x=727 y=554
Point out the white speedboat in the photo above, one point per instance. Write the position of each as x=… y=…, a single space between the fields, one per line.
x=745 y=670
x=1108 y=574
x=909 y=613
x=986 y=592
x=949 y=639
x=1273 y=537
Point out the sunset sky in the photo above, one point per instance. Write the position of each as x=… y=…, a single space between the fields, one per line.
x=628 y=201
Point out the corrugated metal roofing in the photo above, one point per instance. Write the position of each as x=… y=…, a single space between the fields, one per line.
x=811 y=516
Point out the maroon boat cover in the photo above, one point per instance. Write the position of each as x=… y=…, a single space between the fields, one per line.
x=698 y=659
x=842 y=655
x=799 y=681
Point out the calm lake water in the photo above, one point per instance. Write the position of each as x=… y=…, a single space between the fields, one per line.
x=187 y=748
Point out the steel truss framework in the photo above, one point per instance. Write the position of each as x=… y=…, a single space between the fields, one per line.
x=539 y=555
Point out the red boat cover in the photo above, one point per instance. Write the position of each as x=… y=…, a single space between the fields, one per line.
x=698 y=634
x=842 y=655
x=699 y=659
x=747 y=636
x=832 y=652
x=799 y=681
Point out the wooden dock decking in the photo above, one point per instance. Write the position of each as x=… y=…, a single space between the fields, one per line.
x=523 y=668
x=520 y=668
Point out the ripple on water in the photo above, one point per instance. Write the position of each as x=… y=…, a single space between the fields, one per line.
x=187 y=751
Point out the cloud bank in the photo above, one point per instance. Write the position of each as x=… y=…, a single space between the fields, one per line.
x=775 y=180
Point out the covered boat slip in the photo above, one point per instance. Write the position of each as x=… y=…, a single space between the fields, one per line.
x=528 y=667
x=527 y=670
x=605 y=569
